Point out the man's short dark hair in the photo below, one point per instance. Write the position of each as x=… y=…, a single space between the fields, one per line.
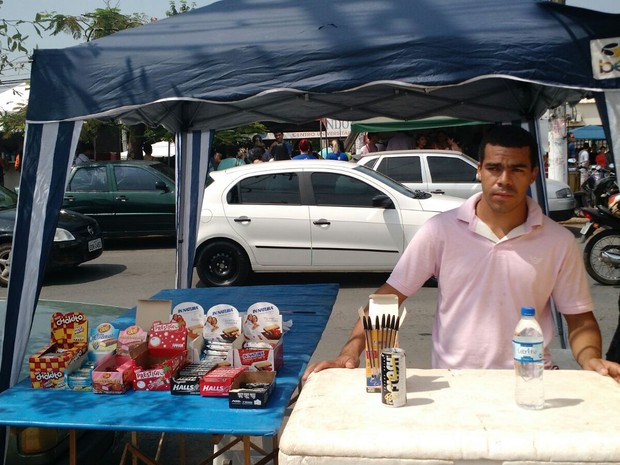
x=510 y=136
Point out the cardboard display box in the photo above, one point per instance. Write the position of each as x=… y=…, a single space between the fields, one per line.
x=113 y=376
x=48 y=365
x=260 y=359
x=243 y=396
x=217 y=382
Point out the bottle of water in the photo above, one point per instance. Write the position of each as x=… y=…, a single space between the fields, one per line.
x=528 y=349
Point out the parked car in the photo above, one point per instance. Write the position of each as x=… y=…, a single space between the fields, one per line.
x=304 y=216
x=77 y=238
x=454 y=173
x=127 y=198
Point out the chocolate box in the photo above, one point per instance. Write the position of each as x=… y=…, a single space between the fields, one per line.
x=153 y=373
x=217 y=382
x=48 y=365
x=69 y=329
x=269 y=358
x=244 y=392
x=113 y=376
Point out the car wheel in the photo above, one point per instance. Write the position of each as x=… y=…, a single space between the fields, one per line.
x=222 y=263
x=5 y=259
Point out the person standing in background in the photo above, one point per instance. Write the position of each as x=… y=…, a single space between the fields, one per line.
x=148 y=151
x=337 y=151
x=85 y=154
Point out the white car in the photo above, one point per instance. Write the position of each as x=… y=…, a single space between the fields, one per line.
x=454 y=173
x=306 y=216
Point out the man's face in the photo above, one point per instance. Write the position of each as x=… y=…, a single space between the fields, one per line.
x=279 y=136
x=506 y=175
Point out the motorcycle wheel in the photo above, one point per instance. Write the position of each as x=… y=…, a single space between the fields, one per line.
x=599 y=267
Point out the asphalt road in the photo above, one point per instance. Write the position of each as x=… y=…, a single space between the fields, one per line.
x=132 y=270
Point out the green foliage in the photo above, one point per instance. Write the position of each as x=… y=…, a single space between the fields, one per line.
x=182 y=8
x=13 y=123
x=13 y=52
x=90 y=26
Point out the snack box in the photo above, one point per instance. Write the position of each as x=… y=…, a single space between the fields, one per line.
x=251 y=389
x=69 y=329
x=81 y=378
x=113 y=376
x=168 y=338
x=129 y=339
x=265 y=358
x=217 y=382
x=154 y=372
x=187 y=380
x=48 y=365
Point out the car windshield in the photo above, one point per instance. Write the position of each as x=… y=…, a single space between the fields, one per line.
x=8 y=198
x=393 y=184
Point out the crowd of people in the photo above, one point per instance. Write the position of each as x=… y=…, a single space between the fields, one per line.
x=230 y=155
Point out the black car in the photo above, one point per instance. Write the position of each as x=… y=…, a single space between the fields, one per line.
x=77 y=238
x=127 y=198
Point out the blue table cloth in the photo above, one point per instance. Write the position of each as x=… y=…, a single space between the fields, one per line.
x=308 y=306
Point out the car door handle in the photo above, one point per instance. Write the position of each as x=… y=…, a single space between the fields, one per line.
x=438 y=191
x=69 y=198
x=122 y=198
x=242 y=219
x=322 y=222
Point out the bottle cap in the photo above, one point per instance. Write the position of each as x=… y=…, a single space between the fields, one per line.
x=527 y=311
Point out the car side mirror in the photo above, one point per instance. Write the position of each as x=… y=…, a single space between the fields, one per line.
x=160 y=185
x=382 y=201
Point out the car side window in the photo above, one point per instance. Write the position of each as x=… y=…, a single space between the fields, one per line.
x=449 y=170
x=89 y=179
x=401 y=169
x=332 y=189
x=133 y=178
x=268 y=189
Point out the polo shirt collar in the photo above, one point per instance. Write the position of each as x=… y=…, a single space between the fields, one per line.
x=467 y=213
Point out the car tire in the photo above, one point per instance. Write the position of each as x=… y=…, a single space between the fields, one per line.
x=5 y=258
x=222 y=263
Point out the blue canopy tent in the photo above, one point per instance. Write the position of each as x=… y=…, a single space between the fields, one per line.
x=590 y=132
x=239 y=61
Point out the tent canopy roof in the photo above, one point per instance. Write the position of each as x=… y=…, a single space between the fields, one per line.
x=240 y=61
x=591 y=132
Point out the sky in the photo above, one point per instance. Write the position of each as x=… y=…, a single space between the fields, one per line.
x=27 y=9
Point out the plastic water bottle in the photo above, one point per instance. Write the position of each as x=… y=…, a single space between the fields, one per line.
x=528 y=349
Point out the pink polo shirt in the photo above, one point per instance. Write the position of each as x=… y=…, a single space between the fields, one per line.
x=484 y=282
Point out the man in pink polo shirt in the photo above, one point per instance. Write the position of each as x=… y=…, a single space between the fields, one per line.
x=493 y=255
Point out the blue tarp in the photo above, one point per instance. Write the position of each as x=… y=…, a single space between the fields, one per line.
x=590 y=132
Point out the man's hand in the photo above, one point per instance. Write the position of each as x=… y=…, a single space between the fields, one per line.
x=603 y=367
x=343 y=361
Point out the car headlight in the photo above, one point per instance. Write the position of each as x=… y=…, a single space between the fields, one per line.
x=565 y=193
x=63 y=235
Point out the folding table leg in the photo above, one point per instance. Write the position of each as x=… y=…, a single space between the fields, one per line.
x=72 y=447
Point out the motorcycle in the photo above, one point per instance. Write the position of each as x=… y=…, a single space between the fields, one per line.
x=599 y=185
x=601 y=253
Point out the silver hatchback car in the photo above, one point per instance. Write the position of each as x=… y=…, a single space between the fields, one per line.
x=454 y=173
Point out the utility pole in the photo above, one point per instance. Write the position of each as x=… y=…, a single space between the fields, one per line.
x=558 y=164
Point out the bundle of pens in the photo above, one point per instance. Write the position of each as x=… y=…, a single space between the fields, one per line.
x=380 y=334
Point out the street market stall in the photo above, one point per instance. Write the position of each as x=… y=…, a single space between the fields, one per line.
x=235 y=62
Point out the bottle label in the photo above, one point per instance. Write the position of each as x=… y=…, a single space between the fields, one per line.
x=527 y=351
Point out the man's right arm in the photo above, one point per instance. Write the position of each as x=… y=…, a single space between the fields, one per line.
x=350 y=354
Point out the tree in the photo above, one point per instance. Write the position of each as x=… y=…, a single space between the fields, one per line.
x=184 y=7
x=13 y=53
x=91 y=26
